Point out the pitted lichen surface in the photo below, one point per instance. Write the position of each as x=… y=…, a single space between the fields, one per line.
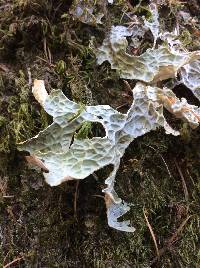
x=58 y=149
x=66 y=157
x=153 y=23
x=190 y=75
x=152 y=66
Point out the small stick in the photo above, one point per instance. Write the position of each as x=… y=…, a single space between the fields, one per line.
x=95 y=176
x=51 y=65
x=183 y=181
x=171 y=240
x=75 y=199
x=174 y=236
x=98 y=195
x=4 y=68
x=12 y=262
x=45 y=48
x=49 y=56
x=128 y=86
x=122 y=106
x=152 y=233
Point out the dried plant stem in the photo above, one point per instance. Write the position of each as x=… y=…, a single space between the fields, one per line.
x=75 y=199
x=171 y=240
x=12 y=262
x=151 y=231
x=183 y=181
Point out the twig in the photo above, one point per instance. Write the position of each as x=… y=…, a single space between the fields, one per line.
x=12 y=262
x=95 y=176
x=152 y=233
x=4 y=68
x=190 y=177
x=171 y=240
x=183 y=181
x=6 y=256
x=127 y=85
x=98 y=195
x=133 y=9
x=174 y=236
x=75 y=199
x=49 y=56
x=45 y=48
x=51 y=65
x=122 y=106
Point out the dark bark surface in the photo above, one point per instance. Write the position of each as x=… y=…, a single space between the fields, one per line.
x=66 y=226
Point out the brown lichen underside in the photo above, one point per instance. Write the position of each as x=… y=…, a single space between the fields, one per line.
x=66 y=226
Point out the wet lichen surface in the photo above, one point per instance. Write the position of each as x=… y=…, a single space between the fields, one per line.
x=66 y=226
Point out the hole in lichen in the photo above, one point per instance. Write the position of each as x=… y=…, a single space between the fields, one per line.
x=89 y=130
x=182 y=91
x=102 y=174
x=98 y=130
x=173 y=121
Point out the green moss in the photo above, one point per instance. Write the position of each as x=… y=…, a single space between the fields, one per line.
x=2 y=121
x=85 y=131
x=60 y=67
x=186 y=38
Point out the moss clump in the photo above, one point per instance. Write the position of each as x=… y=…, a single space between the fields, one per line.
x=85 y=131
x=2 y=121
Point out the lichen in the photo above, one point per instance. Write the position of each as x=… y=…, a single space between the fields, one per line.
x=152 y=66
x=84 y=10
x=65 y=156
x=190 y=75
x=153 y=24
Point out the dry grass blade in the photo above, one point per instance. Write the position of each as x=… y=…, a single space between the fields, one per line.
x=170 y=175
x=183 y=181
x=75 y=199
x=171 y=240
x=175 y=235
x=152 y=232
x=13 y=262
